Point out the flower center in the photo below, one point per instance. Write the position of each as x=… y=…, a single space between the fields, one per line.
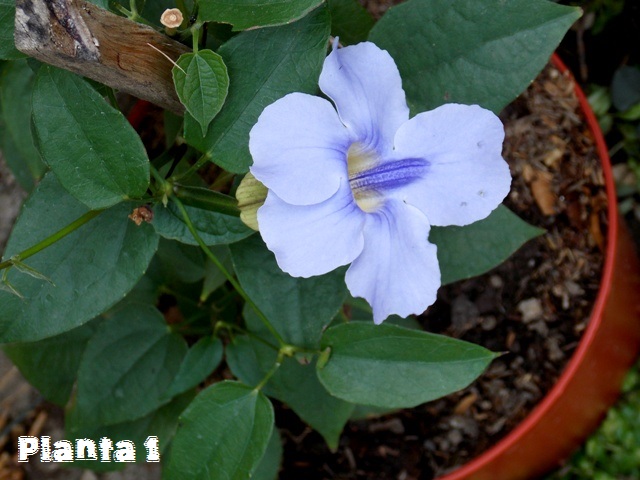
x=370 y=177
x=359 y=161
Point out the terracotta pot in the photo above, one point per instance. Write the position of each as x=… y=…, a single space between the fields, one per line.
x=593 y=377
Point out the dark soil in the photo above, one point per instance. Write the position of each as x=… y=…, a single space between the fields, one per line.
x=534 y=307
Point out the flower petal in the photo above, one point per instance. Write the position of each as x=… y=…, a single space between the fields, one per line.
x=313 y=239
x=467 y=177
x=364 y=83
x=397 y=271
x=299 y=149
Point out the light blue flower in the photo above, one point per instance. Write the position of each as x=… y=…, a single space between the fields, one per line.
x=364 y=184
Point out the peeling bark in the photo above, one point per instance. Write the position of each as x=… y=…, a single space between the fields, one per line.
x=81 y=37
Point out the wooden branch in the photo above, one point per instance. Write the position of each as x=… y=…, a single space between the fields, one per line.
x=78 y=36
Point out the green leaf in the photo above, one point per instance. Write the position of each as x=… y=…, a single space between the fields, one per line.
x=298 y=308
x=367 y=412
x=269 y=466
x=625 y=88
x=91 y=268
x=95 y=153
x=390 y=366
x=464 y=252
x=202 y=84
x=51 y=365
x=8 y=49
x=360 y=310
x=600 y=100
x=15 y=160
x=222 y=434
x=349 y=21
x=244 y=14
x=147 y=290
x=631 y=115
x=294 y=383
x=213 y=227
x=179 y=262
x=16 y=88
x=172 y=127
x=161 y=423
x=213 y=277
x=201 y=359
x=289 y=59
x=468 y=51
x=127 y=367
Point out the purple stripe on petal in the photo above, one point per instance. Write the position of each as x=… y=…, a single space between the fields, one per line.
x=389 y=175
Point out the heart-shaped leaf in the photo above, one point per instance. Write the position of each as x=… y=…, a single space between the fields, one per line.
x=202 y=84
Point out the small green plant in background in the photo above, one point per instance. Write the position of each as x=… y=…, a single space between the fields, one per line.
x=604 y=49
x=613 y=452
x=618 y=110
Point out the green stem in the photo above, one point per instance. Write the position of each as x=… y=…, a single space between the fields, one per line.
x=161 y=188
x=221 y=180
x=59 y=235
x=271 y=372
x=143 y=200
x=207 y=199
x=133 y=15
x=156 y=174
x=194 y=168
x=226 y=273
x=231 y=326
x=616 y=148
x=195 y=32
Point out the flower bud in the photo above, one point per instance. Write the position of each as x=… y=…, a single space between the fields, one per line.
x=251 y=195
